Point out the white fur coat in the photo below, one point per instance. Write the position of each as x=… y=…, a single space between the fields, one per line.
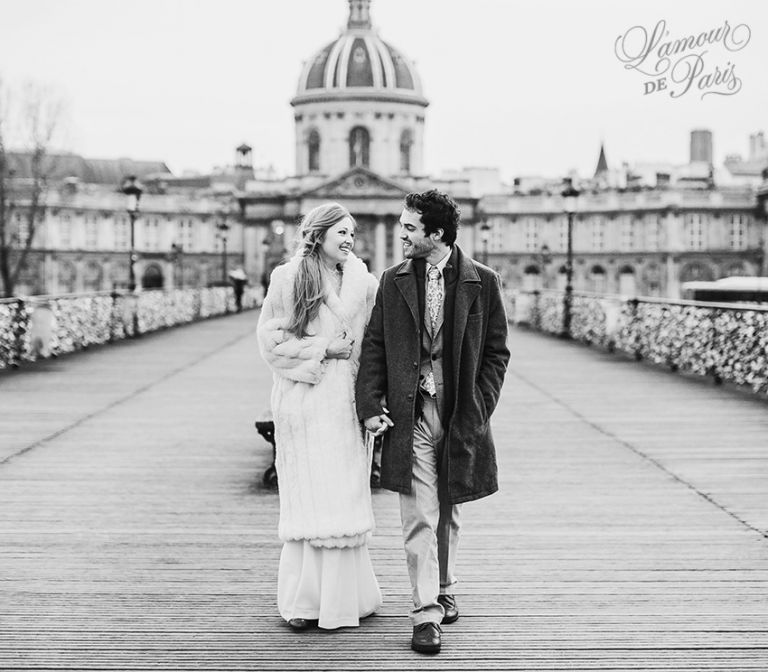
x=322 y=465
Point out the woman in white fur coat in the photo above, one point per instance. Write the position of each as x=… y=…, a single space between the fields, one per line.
x=310 y=332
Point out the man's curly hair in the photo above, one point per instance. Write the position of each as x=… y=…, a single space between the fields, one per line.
x=438 y=211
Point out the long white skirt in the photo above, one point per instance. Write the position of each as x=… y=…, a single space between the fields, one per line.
x=335 y=586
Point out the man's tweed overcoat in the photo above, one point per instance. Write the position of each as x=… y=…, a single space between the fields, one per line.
x=474 y=360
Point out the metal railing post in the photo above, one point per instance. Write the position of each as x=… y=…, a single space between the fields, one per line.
x=20 y=328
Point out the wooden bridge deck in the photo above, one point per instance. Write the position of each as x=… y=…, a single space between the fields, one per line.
x=630 y=532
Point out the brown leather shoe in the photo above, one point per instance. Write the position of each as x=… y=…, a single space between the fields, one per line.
x=450 y=608
x=426 y=638
x=299 y=624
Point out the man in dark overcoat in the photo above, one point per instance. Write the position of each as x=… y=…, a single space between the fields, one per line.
x=431 y=370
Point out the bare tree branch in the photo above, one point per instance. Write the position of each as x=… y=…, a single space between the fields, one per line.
x=39 y=113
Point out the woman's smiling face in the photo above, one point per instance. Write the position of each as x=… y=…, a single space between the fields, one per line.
x=338 y=242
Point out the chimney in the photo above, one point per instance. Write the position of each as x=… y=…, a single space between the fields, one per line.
x=757 y=147
x=244 y=158
x=701 y=146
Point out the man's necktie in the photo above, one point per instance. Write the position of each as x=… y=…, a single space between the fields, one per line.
x=434 y=303
x=434 y=295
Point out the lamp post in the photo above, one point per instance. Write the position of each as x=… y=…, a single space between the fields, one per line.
x=485 y=234
x=274 y=251
x=546 y=257
x=570 y=195
x=132 y=189
x=223 y=227
x=762 y=213
x=177 y=250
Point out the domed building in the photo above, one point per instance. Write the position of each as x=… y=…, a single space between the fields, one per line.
x=359 y=114
x=359 y=104
x=360 y=117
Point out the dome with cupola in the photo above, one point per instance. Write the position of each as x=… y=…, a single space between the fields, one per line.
x=359 y=103
x=359 y=63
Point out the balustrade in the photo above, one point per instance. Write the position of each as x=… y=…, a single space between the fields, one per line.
x=44 y=326
x=726 y=341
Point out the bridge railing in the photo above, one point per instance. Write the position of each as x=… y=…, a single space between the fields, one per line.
x=43 y=326
x=728 y=342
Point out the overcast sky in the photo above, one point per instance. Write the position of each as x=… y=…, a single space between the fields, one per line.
x=529 y=86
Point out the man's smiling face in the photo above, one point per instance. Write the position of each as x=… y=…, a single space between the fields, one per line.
x=416 y=244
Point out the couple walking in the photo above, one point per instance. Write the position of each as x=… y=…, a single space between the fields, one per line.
x=419 y=357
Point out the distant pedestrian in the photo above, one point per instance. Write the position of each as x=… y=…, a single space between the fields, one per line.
x=309 y=332
x=239 y=280
x=265 y=282
x=431 y=370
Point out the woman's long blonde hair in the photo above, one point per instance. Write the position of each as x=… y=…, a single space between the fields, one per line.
x=308 y=285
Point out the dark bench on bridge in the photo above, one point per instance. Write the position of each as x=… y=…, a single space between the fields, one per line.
x=266 y=428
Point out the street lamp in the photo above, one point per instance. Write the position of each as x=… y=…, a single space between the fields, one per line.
x=485 y=234
x=570 y=196
x=177 y=249
x=223 y=227
x=546 y=257
x=132 y=189
x=274 y=251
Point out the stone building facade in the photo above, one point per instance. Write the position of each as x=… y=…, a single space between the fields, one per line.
x=360 y=115
x=82 y=241
x=641 y=242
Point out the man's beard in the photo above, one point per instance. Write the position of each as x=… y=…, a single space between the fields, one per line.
x=418 y=250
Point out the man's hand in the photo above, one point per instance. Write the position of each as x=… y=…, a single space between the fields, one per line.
x=378 y=424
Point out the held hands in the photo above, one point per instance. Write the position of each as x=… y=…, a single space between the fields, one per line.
x=378 y=424
x=340 y=347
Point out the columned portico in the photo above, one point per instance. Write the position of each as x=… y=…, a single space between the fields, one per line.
x=397 y=244
x=380 y=248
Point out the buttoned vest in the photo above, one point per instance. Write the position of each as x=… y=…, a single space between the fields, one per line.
x=436 y=347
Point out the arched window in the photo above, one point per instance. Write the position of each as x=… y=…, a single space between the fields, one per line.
x=31 y=277
x=696 y=270
x=313 y=144
x=627 y=282
x=562 y=278
x=652 y=278
x=735 y=268
x=406 y=141
x=190 y=276
x=67 y=277
x=92 y=274
x=153 y=277
x=359 y=147
x=118 y=274
x=531 y=278
x=597 y=279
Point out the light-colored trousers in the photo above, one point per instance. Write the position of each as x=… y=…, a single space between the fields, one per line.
x=430 y=523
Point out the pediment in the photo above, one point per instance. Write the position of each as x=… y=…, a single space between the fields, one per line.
x=357 y=182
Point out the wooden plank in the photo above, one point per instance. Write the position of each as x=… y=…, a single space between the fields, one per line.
x=628 y=534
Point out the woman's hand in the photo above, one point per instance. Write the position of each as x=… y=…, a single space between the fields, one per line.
x=340 y=347
x=378 y=424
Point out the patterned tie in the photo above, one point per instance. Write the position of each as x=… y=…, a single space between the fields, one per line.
x=434 y=303
x=434 y=295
